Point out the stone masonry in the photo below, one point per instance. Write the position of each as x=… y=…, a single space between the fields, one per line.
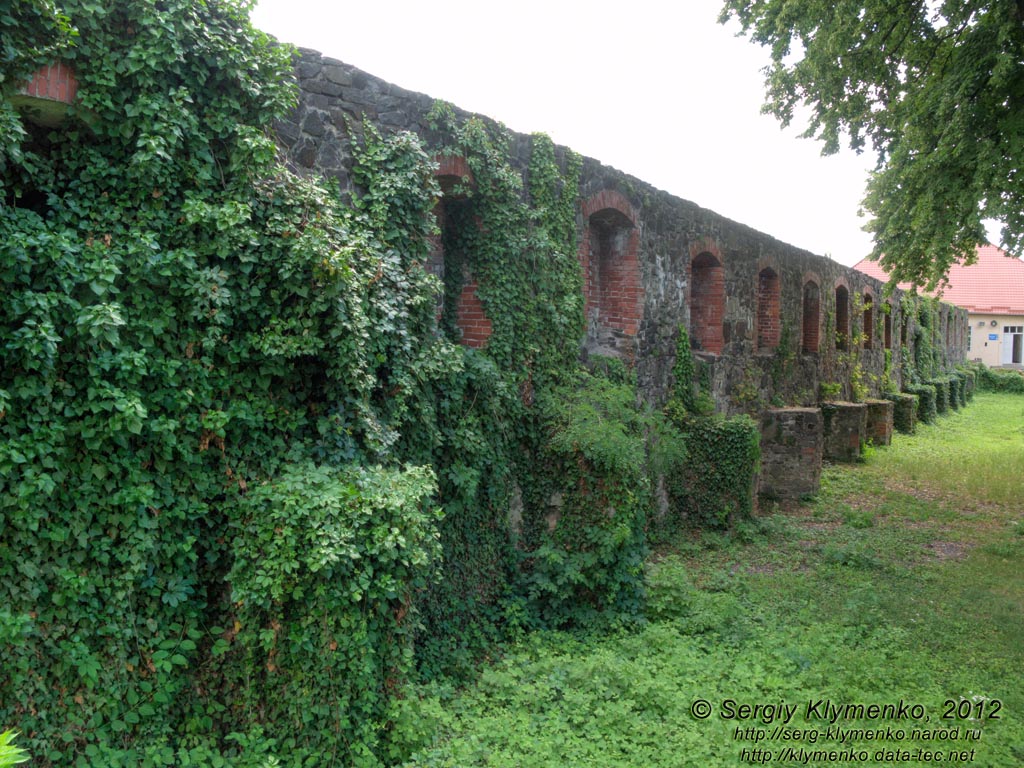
x=879 y=424
x=845 y=427
x=769 y=323
x=791 y=452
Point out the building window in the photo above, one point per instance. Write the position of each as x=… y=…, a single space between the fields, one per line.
x=707 y=303
x=812 y=316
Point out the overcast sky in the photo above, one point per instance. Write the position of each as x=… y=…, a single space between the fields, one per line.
x=655 y=88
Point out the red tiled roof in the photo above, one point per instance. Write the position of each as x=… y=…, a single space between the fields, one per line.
x=993 y=284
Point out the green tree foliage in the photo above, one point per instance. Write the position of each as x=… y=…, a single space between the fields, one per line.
x=934 y=87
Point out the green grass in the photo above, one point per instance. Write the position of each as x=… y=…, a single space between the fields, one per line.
x=987 y=438
x=902 y=580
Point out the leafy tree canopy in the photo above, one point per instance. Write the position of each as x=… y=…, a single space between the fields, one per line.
x=935 y=86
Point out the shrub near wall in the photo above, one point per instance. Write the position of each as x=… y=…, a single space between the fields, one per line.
x=968 y=381
x=714 y=485
x=584 y=557
x=960 y=385
x=327 y=565
x=941 y=386
x=957 y=398
x=904 y=416
x=995 y=380
x=925 y=393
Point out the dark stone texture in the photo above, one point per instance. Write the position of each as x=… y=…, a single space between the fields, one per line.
x=324 y=87
x=337 y=74
x=904 y=414
x=395 y=119
x=879 y=421
x=845 y=429
x=313 y=123
x=791 y=452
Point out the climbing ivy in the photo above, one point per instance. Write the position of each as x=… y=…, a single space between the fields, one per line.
x=519 y=245
x=520 y=248
x=584 y=549
x=712 y=483
x=249 y=484
x=926 y=401
x=32 y=32
x=782 y=366
x=217 y=518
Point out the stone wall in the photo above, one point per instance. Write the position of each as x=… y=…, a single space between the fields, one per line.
x=771 y=324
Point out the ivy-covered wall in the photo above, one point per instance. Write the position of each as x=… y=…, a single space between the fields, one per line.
x=642 y=250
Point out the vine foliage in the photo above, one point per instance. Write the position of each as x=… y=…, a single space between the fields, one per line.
x=209 y=369
x=714 y=485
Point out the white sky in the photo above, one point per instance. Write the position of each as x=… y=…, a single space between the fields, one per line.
x=655 y=88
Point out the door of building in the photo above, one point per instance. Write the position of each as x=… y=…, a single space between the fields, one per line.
x=1013 y=345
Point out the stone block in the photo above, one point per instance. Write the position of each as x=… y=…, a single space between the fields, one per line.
x=791 y=452
x=904 y=413
x=845 y=429
x=879 y=421
x=337 y=74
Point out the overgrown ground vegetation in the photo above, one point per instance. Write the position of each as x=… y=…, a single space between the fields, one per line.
x=901 y=580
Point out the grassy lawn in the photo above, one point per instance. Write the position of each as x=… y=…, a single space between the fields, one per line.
x=900 y=585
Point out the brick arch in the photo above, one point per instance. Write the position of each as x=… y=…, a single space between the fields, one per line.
x=470 y=315
x=707 y=301
x=706 y=245
x=609 y=258
x=49 y=92
x=810 y=325
x=452 y=170
x=768 y=291
x=609 y=199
